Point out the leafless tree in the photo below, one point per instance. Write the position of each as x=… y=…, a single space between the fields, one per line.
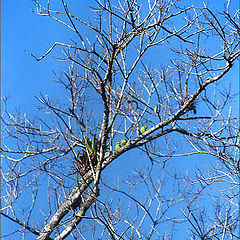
x=60 y=165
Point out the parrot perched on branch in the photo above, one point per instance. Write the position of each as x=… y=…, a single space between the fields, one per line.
x=123 y=142
x=118 y=146
x=156 y=109
x=143 y=129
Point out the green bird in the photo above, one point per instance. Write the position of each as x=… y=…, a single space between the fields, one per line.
x=156 y=109
x=118 y=146
x=123 y=142
x=144 y=128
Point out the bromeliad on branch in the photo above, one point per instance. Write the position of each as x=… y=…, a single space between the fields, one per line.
x=87 y=158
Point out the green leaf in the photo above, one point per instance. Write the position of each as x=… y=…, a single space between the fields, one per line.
x=89 y=145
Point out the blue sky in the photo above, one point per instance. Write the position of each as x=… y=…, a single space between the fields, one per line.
x=22 y=77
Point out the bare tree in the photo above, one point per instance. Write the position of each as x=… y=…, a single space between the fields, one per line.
x=117 y=101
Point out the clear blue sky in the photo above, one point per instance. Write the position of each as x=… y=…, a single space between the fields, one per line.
x=22 y=77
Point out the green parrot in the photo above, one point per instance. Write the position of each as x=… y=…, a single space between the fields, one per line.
x=156 y=109
x=118 y=146
x=144 y=128
x=123 y=142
